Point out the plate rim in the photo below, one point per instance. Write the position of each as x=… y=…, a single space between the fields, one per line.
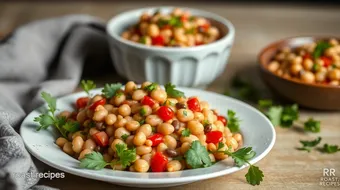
x=152 y=181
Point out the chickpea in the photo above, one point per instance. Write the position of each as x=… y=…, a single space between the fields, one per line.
x=189 y=139
x=308 y=77
x=174 y=165
x=117 y=166
x=159 y=95
x=141 y=150
x=185 y=147
x=334 y=83
x=280 y=57
x=120 y=123
x=177 y=12
x=81 y=116
x=195 y=127
x=307 y=64
x=115 y=142
x=237 y=137
x=219 y=155
x=320 y=76
x=330 y=52
x=78 y=133
x=161 y=147
x=212 y=158
x=61 y=141
x=126 y=35
x=65 y=114
x=114 y=111
x=139 y=139
x=191 y=40
x=185 y=115
x=93 y=131
x=147 y=157
x=213 y=31
x=124 y=110
x=89 y=144
x=170 y=141
x=135 y=38
x=138 y=117
x=153 y=30
x=143 y=27
x=130 y=87
x=77 y=144
x=333 y=42
x=227 y=132
x=232 y=142
x=179 y=35
x=96 y=98
x=141 y=165
x=138 y=94
x=334 y=74
x=67 y=148
x=202 y=138
x=119 y=99
x=120 y=132
x=273 y=66
x=110 y=119
x=165 y=128
x=100 y=115
x=211 y=147
x=153 y=120
x=83 y=153
x=146 y=129
x=198 y=38
x=145 y=110
x=135 y=108
x=198 y=116
x=320 y=62
x=107 y=157
x=295 y=69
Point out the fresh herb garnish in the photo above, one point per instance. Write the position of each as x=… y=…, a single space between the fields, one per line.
x=142 y=111
x=190 y=31
x=320 y=49
x=94 y=161
x=185 y=113
x=186 y=132
x=233 y=121
x=197 y=156
x=141 y=122
x=49 y=119
x=175 y=21
x=205 y=122
x=125 y=156
x=172 y=92
x=307 y=145
x=142 y=40
x=151 y=87
x=312 y=125
x=315 y=67
x=124 y=137
x=330 y=148
x=87 y=85
x=110 y=90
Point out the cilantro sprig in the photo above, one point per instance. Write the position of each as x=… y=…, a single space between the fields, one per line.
x=330 y=149
x=186 y=132
x=308 y=145
x=320 y=49
x=95 y=160
x=87 y=85
x=49 y=119
x=312 y=125
x=110 y=90
x=151 y=87
x=197 y=156
x=233 y=121
x=172 y=92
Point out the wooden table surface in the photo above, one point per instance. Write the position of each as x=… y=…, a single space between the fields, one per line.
x=284 y=167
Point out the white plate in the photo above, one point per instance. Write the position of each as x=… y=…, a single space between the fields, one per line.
x=257 y=131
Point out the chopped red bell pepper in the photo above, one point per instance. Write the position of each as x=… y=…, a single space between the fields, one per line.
x=156 y=139
x=97 y=103
x=101 y=138
x=159 y=162
x=214 y=137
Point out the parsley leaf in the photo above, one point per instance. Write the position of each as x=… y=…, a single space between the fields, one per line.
x=197 y=156
x=51 y=102
x=320 y=48
x=124 y=137
x=220 y=145
x=186 y=132
x=142 y=111
x=312 y=143
x=274 y=114
x=44 y=120
x=233 y=122
x=71 y=126
x=241 y=156
x=87 y=85
x=312 y=125
x=254 y=175
x=94 y=161
x=289 y=115
x=125 y=156
x=142 y=40
x=175 y=21
x=205 y=122
x=110 y=90
x=151 y=87
x=172 y=92
x=263 y=104
x=330 y=148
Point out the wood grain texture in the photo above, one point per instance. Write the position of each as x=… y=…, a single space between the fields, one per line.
x=256 y=26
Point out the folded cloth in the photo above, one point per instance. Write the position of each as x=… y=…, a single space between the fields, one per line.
x=45 y=55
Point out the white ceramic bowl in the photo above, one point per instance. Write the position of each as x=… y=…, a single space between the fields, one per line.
x=191 y=67
x=257 y=131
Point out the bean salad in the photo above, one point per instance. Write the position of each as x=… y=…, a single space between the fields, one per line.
x=317 y=62
x=177 y=29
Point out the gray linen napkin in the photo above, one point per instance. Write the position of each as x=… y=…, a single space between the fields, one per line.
x=45 y=55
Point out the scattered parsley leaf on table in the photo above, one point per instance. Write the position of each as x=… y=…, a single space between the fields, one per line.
x=233 y=121
x=312 y=143
x=197 y=156
x=87 y=85
x=312 y=125
x=274 y=114
x=289 y=115
x=94 y=161
x=330 y=148
x=110 y=90
x=172 y=92
x=263 y=104
x=186 y=132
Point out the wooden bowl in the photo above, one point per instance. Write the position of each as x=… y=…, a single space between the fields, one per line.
x=317 y=96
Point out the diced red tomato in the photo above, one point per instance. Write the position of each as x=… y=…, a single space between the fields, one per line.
x=101 y=138
x=194 y=105
x=214 y=137
x=307 y=56
x=222 y=119
x=159 y=162
x=147 y=100
x=205 y=27
x=165 y=113
x=166 y=27
x=82 y=102
x=156 y=139
x=184 y=18
x=198 y=43
x=97 y=103
x=158 y=40
x=326 y=61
